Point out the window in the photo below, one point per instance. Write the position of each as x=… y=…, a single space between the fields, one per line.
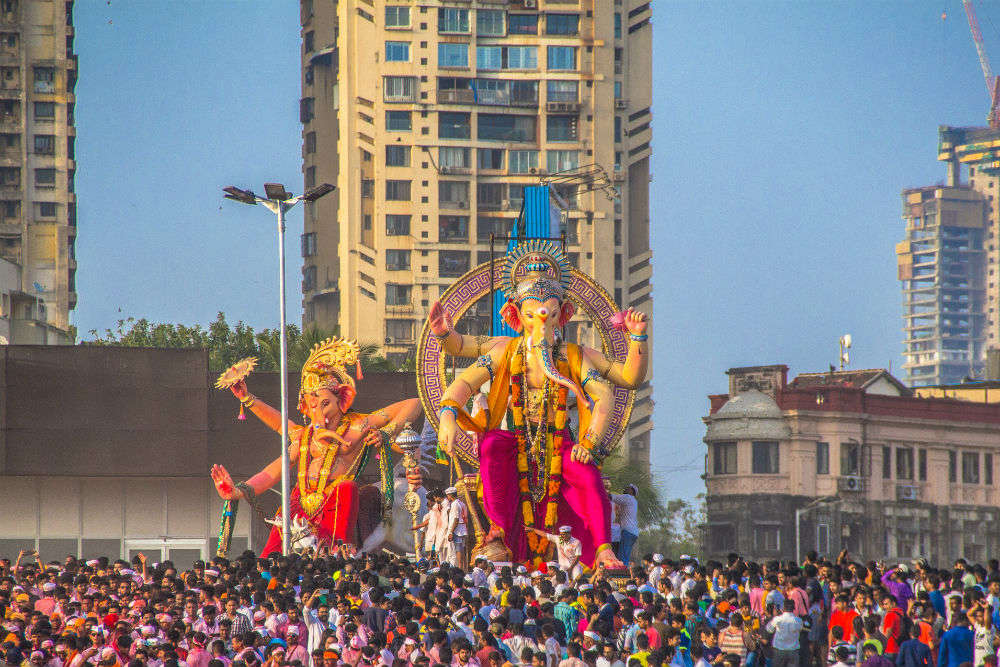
x=309 y=244
x=10 y=176
x=453 y=228
x=454 y=157
x=724 y=458
x=452 y=263
x=557 y=161
x=453 y=194
x=562 y=24
x=522 y=162
x=491 y=158
x=922 y=465
x=489 y=196
x=397 y=156
x=489 y=57
x=522 y=24
x=47 y=209
x=489 y=23
x=886 y=462
x=618 y=130
x=308 y=278
x=563 y=91
x=904 y=463
x=823 y=538
x=561 y=128
x=310 y=142
x=397 y=295
x=399 y=330
x=453 y=125
x=45 y=144
x=822 y=458
x=309 y=42
x=618 y=90
x=562 y=57
x=521 y=57
x=453 y=55
x=397 y=17
x=367 y=188
x=618 y=25
x=397 y=190
x=765 y=458
x=721 y=537
x=398 y=121
x=397 y=260
x=487 y=226
x=988 y=469
x=850 y=458
x=766 y=537
x=45 y=178
x=45 y=110
x=397 y=225
x=952 y=467
x=397 y=52
x=45 y=79
x=507 y=127
x=400 y=88
x=970 y=467
x=451 y=19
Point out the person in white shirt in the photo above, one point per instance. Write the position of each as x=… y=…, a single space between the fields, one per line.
x=656 y=573
x=457 y=512
x=568 y=549
x=625 y=508
x=431 y=525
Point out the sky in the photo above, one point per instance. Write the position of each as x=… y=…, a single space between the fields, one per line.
x=783 y=133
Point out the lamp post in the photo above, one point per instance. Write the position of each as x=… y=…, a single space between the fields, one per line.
x=279 y=201
x=798 y=520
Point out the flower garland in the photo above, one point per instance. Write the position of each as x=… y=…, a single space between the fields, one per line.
x=551 y=462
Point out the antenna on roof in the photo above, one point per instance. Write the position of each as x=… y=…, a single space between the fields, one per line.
x=845 y=344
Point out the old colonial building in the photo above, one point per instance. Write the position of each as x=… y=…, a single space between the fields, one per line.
x=848 y=459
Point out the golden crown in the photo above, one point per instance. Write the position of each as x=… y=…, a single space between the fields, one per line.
x=536 y=269
x=325 y=368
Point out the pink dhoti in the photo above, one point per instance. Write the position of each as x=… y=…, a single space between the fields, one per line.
x=583 y=503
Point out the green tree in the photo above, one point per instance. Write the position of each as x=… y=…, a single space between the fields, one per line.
x=679 y=532
x=227 y=344
x=620 y=474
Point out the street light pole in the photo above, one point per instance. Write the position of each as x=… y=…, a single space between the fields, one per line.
x=279 y=201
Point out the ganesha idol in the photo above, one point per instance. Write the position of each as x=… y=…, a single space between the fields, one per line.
x=327 y=453
x=536 y=476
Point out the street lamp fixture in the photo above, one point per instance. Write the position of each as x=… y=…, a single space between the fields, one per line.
x=279 y=201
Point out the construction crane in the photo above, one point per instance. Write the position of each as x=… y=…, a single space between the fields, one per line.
x=991 y=81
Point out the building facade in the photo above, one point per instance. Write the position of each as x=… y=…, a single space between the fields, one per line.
x=942 y=269
x=38 y=72
x=849 y=460
x=432 y=117
x=22 y=319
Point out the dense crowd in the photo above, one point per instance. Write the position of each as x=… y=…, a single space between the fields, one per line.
x=342 y=608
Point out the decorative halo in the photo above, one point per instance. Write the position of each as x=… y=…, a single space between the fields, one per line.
x=236 y=372
x=588 y=296
x=540 y=257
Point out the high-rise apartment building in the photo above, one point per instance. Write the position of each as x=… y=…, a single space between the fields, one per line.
x=432 y=117
x=38 y=71
x=941 y=266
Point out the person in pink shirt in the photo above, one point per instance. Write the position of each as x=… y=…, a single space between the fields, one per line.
x=296 y=651
x=197 y=655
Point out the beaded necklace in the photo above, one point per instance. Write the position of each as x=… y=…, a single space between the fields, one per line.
x=312 y=499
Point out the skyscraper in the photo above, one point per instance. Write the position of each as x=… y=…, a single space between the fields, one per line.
x=431 y=118
x=38 y=71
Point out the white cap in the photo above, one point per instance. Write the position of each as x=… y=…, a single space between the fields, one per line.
x=565 y=529
x=292 y=630
x=451 y=490
x=211 y=572
x=586 y=587
x=522 y=569
x=657 y=558
x=48 y=587
x=552 y=565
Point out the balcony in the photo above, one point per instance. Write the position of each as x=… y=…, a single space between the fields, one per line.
x=398 y=308
x=458 y=205
x=456 y=96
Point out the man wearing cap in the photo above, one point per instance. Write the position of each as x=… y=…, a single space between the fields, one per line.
x=457 y=512
x=626 y=508
x=568 y=548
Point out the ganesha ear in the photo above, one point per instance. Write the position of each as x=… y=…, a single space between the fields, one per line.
x=511 y=316
x=346 y=397
x=566 y=313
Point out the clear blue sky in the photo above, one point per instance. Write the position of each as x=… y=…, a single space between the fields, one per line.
x=783 y=134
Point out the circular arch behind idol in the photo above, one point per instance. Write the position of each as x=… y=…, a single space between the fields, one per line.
x=589 y=298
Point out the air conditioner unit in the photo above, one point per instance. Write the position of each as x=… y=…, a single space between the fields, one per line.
x=621 y=104
x=463 y=204
x=388 y=340
x=851 y=483
x=443 y=170
x=505 y=204
x=530 y=4
x=907 y=492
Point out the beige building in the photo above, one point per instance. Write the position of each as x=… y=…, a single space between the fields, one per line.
x=856 y=460
x=432 y=117
x=38 y=71
x=23 y=318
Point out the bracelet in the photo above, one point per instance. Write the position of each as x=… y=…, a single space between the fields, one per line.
x=443 y=336
x=248 y=401
x=448 y=408
x=638 y=337
x=250 y=496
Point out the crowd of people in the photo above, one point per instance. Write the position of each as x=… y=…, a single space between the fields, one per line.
x=338 y=607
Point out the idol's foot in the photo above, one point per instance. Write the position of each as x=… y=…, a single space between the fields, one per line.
x=608 y=559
